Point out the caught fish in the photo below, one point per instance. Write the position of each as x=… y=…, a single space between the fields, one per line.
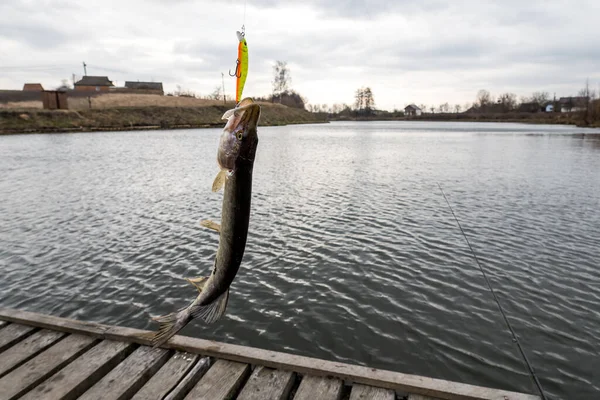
x=237 y=149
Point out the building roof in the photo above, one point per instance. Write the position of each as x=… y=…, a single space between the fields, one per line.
x=411 y=107
x=144 y=85
x=33 y=87
x=94 y=81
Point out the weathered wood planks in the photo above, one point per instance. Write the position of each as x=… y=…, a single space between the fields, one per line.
x=3 y=324
x=27 y=348
x=127 y=377
x=190 y=379
x=167 y=378
x=74 y=379
x=14 y=333
x=362 y=392
x=267 y=384
x=221 y=382
x=420 y=397
x=316 y=387
x=34 y=371
x=394 y=381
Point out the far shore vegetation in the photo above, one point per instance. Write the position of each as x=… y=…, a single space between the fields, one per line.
x=23 y=111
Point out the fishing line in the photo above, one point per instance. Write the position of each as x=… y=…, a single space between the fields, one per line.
x=510 y=328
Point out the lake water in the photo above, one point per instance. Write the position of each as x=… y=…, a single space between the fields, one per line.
x=353 y=254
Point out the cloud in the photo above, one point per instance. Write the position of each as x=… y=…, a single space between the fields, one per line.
x=429 y=51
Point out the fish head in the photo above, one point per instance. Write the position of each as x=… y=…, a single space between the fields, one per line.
x=239 y=138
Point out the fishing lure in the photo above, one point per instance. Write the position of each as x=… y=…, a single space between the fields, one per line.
x=241 y=65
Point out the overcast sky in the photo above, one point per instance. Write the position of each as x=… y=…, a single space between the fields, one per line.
x=425 y=51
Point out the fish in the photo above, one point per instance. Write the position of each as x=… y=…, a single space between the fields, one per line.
x=229 y=144
x=241 y=71
x=237 y=151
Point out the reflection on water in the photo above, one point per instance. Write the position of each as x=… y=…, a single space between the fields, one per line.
x=353 y=254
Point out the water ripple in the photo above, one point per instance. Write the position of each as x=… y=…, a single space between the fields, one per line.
x=352 y=254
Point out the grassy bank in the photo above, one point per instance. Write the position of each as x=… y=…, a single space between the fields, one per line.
x=15 y=120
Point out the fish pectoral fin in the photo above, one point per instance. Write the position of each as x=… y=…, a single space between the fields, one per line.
x=219 y=181
x=212 y=312
x=211 y=225
x=198 y=282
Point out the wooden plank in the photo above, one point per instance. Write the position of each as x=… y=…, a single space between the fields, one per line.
x=419 y=397
x=363 y=392
x=82 y=373
x=268 y=384
x=24 y=350
x=3 y=324
x=34 y=371
x=13 y=334
x=316 y=387
x=129 y=376
x=167 y=377
x=221 y=382
x=190 y=379
x=304 y=365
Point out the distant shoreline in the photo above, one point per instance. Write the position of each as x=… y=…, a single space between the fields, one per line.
x=36 y=121
x=15 y=121
x=522 y=118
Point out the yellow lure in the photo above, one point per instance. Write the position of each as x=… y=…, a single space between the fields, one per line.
x=241 y=70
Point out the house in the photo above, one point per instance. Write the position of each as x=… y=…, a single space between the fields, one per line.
x=549 y=107
x=412 y=110
x=33 y=87
x=572 y=104
x=93 y=84
x=146 y=87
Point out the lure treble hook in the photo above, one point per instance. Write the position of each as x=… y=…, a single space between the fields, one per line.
x=237 y=72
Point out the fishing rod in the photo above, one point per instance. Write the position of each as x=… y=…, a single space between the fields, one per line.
x=515 y=338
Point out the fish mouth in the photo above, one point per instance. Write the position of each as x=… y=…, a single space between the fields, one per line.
x=249 y=119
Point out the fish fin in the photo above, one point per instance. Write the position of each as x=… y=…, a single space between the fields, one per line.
x=219 y=181
x=170 y=324
x=211 y=225
x=214 y=311
x=198 y=282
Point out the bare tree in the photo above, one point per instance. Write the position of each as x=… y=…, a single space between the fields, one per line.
x=369 y=100
x=281 y=78
x=432 y=109
x=539 y=97
x=587 y=96
x=423 y=107
x=359 y=99
x=216 y=94
x=363 y=100
x=483 y=99
x=457 y=108
x=508 y=101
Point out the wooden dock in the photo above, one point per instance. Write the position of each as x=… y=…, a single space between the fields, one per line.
x=46 y=357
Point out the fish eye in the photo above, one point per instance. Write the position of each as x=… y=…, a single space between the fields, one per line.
x=239 y=135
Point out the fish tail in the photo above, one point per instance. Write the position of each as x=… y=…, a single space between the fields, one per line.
x=170 y=324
